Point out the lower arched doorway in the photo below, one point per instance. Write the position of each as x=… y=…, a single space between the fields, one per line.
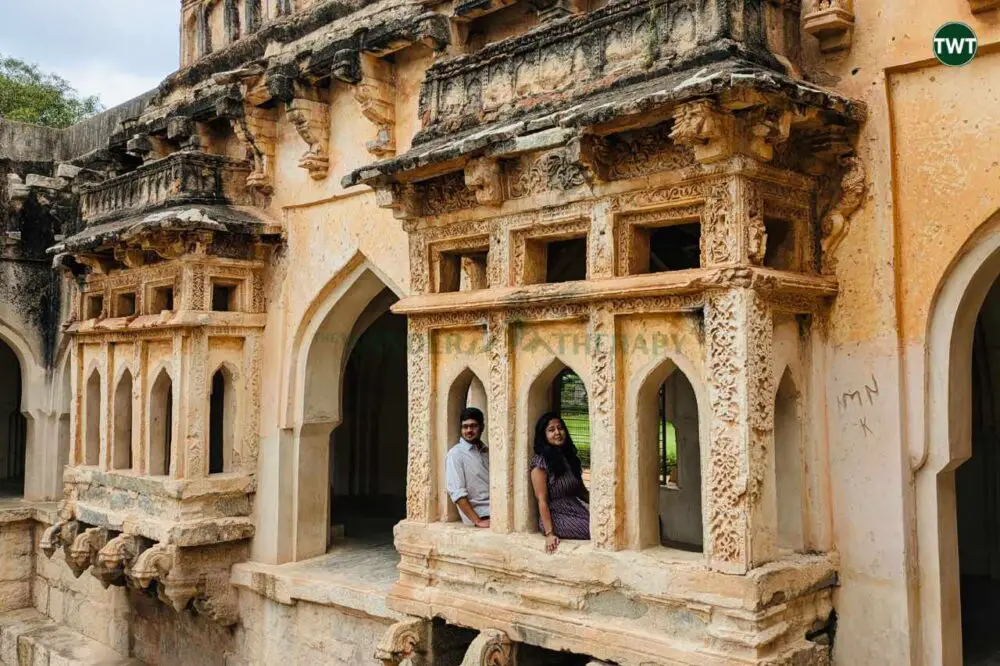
x=13 y=425
x=977 y=495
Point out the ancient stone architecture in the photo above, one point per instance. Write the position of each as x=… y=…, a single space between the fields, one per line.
x=748 y=247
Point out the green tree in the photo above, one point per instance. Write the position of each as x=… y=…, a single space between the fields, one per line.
x=30 y=95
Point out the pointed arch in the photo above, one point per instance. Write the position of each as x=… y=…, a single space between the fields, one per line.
x=465 y=389
x=222 y=419
x=160 y=428
x=789 y=464
x=121 y=455
x=666 y=411
x=92 y=419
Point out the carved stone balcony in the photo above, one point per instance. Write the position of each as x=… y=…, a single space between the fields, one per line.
x=178 y=179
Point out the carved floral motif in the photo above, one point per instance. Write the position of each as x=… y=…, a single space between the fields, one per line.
x=539 y=173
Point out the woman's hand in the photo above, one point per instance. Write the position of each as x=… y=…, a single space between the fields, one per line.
x=551 y=543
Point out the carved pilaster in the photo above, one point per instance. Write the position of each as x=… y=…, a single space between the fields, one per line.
x=719 y=232
x=740 y=515
x=405 y=643
x=311 y=118
x=831 y=22
x=605 y=492
x=483 y=177
x=491 y=647
x=501 y=426
x=837 y=221
x=376 y=93
x=418 y=477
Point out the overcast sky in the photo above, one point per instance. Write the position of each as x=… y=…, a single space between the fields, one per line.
x=115 y=49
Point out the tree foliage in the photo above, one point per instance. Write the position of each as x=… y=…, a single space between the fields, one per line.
x=30 y=95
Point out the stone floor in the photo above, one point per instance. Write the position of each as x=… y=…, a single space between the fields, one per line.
x=28 y=638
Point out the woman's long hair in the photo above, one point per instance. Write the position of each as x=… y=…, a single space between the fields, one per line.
x=557 y=458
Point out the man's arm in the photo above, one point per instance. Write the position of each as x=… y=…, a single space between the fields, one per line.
x=455 y=478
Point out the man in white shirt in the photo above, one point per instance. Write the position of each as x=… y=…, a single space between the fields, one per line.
x=467 y=471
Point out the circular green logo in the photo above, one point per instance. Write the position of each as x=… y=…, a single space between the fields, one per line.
x=955 y=44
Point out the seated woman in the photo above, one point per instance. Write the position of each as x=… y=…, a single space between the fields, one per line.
x=557 y=478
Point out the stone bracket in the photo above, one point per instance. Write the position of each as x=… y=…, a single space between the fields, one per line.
x=491 y=647
x=311 y=118
x=404 y=643
x=256 y=128
x=837 y=221
x=84 y=549
x=483 y=177
x=376 y=93
x=832 y=23
x=714 y=132
x=401 y=198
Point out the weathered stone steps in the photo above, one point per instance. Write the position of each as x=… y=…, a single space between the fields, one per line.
x=28 y=638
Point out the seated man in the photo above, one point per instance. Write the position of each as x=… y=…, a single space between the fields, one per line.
x=467 y=470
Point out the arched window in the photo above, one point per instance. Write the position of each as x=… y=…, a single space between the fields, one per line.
x=466 y=391
x=122 y=455
x=92 y=420
x=569 y=398
x=222 y=415
x=13 y=424
x=668 y=467
x=789 y=470
x=161 y=411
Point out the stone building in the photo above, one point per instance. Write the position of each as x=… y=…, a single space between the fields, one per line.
x=240 y=314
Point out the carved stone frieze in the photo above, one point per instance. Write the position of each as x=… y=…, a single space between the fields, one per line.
x=831 y=22
x=376 y=93
x=446 y=194
x=311 y=118
x=837 y=221
x=638 y=153
x=491 y=647
x=540 y=172
x=404 y=644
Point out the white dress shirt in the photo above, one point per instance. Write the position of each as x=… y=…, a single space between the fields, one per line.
x=467 y=473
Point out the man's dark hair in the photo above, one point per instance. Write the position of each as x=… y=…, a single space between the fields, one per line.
x=471 y=413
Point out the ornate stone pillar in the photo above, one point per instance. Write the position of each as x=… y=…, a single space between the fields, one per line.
x=419 y=490
x=606 y=494
x=501 y=423
x=193 y=401
x=739 y=514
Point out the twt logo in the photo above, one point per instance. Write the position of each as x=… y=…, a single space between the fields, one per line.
x=955 y=44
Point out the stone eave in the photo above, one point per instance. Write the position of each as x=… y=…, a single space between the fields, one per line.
x=675 y=283
x=632 y=107
x=215 y=218
x=157 y=324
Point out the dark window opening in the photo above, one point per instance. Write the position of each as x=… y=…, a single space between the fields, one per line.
x=223 y=297
x=780 y=251
x=95 y=306
x=566 y=260
x=674 y=248
x=163 y=299
x=126 y=305
x=462 y=272
x=217 y=425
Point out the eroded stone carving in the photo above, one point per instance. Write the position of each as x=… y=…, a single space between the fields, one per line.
x=404 y=644
x=376 y=93
x=491 y=647
x=115 y=558
x=399 y=197
x=836 y=223
x=84 y=549
x=704 y=128
x=311 y=119
x=831 y=22
x=482 y=176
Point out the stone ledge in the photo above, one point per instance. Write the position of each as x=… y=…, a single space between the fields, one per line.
x=28 y=637
x=20 y=510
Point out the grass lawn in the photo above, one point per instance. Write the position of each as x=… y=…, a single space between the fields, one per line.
x=579 y=429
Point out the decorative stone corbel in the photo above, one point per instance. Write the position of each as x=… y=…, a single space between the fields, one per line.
x=83 y=552
x=311 y=118
x=399 y=197
x=254 y=126
x=51 y=539
x=376 y=93
x=771 y=128
x=131 y=257
x=114 y=559
x=187 y=132
x=17 y=192
x=404 y=644
x=831 y=22
x=482 y=176
x=491 y=648
x=703 y=127
x=154 y=563
x=837 y=221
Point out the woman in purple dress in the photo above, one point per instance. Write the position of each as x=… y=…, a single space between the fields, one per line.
x=557 y=478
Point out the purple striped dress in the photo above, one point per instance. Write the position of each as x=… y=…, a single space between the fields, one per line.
x=570 y=515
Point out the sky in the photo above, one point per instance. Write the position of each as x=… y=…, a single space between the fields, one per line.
x=115 y=49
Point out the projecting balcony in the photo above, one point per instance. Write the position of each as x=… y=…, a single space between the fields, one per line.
x=179 y=179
